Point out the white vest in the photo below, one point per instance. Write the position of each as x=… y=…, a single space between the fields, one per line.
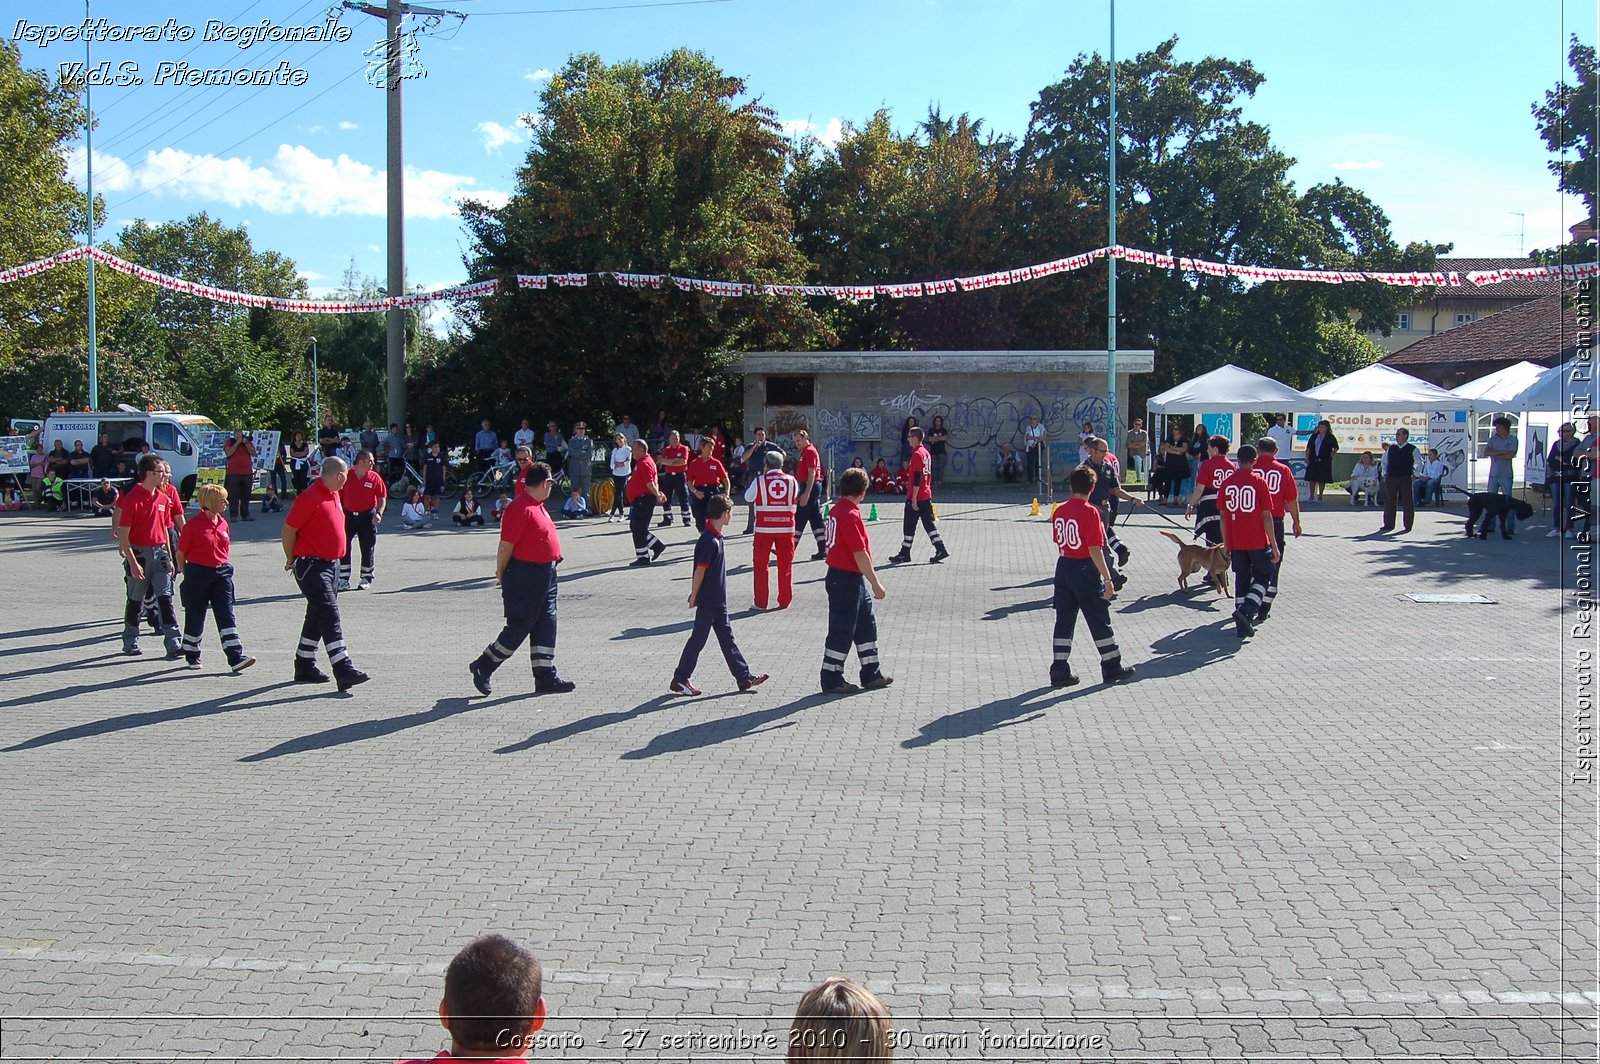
x=776 y=493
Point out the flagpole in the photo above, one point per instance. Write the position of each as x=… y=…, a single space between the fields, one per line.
x=88 y=140
x=1111 y=241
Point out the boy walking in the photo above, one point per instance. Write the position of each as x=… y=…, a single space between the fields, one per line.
x=1083 y=583
x=1246 y=518
x=850 y=574
x=708 y=594
x=208 y=580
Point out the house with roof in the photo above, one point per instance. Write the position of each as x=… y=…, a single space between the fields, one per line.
x=1541 y=330
x=1452 y=308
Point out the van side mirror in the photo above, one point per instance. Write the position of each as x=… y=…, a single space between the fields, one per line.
x=184 y=446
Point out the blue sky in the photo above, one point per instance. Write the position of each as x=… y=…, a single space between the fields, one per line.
x=1424 y=106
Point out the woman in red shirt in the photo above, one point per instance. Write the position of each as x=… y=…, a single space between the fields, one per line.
x=208 y=580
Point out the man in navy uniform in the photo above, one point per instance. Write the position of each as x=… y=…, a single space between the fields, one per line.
x=313 y=544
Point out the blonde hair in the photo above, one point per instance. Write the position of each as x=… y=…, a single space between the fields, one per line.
x=210 y=494
x=840 y=1020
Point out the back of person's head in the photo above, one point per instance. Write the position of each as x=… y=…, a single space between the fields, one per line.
x=1221 y=444
x=1081 y=480
x=1267 y=445
x=148 y=463
x=914 y=434
x=774 y=459
x=718 y=505
x=1247 y=455
x=332 y=466
x=536 y=473
x=1095 y=443
x=492 y=995
x=211 y=496
x=853 y=481
x=841 y=1021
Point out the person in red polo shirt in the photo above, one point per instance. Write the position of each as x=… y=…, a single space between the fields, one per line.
x=240 y=474
x=1084 y=582
x=313 y=543
x=143 y=516
x=642 y=493
x=808 y=507
x=364 y=497
x=707 y=477
x=850 y=573
x=919 y=503
x=1246 y=517
x=208 y=580
x=525 y=570
x=1283 y=497
x=674 y=478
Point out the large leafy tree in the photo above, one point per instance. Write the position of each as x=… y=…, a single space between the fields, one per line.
x=657 y=167
x=1569 y=121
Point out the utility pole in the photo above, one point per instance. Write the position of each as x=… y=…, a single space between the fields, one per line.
x=1111 y=240
x=393 y=78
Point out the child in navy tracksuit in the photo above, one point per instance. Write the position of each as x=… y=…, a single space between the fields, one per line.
x=709 y=597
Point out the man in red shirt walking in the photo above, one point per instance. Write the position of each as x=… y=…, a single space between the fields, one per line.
x=313 y=543
x=1283 y=497
x=143 y=517
x=363 y=497
x=525 y=571
x=771 y=496
x=808 y=508
x=850 y=574
x=240 y=474
x=1246 y=519
x=1084 y=583
x=642 y=492
x=674 y=478
x=919 y=503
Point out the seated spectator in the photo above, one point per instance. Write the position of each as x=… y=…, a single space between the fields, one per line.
x=500 y=505
x=104 y=499
x=1364 y=478
x=493 y=1002
x=270 y=502
x=466 y=512
x=576 y=505
x=902 y=477
x=55 y=491
x=415 y=513
x=882 y=479
x=1007 y=466
x=1430 y=481
x=840 y=1021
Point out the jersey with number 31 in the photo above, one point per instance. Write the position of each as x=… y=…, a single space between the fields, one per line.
x=1242 y=501
x=1076 y=526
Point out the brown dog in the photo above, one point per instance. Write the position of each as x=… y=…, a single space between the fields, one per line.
x=1198 y=558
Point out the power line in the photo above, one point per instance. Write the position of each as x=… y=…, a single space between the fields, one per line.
x=192 y=49
x=606 y=7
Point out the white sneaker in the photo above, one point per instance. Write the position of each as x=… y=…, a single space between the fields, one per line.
x=363 y=585
x=1554 y=533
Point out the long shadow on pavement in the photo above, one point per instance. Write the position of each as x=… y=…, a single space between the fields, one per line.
x=172 y=673
x=361 y=730
x=99 y=661
x=1001 y=713
x=1002 y=612
x=34 y=633
x=602 y=720
x=48 y=647
x=128 y=721
x=1188 y=599
x=664 y=629
x=712 y=732
x=1450 y=558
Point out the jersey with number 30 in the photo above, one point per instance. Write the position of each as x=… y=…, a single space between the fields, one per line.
x=1281 y=486
x=1242 y=501
x=1076 y=526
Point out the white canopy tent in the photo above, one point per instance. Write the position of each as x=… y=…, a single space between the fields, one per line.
x=1558 y=390
x=1498 y=390
x=1227 y=390
x=1381 y=388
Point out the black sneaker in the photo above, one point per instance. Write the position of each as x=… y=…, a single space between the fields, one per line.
x=1123 y=554
x=939 y=555
x=1119 y=675
x=656 y=548
x=345 y=679
x=174 y=653
x=1068 y=680
x=308 y=673
x=1262 y=615
x=900 y=558
x=821 y=555
x=637 y=562
x=241 y=664
x=1242 y=625
x=131 y=650
x=557 y=686
x=480 y=679
x=1118 y=581
x=843 y=687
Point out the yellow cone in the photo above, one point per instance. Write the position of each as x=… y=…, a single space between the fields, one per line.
x=1035 y=508
x=934 y=509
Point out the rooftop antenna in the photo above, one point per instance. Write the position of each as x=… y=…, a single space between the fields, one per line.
x=1522 y=233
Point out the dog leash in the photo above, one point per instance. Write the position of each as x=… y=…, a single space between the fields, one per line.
x=1168 y=520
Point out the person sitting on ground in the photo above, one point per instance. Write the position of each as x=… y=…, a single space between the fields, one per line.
x=466 y=512
x=840 y=1021
x=55 y=491
x=1007 y=466
x=576 y=505
x=415 y=513
x=271 y=502
x=857 y=463
x=1364 y=478
x=501 y=503
x=104 y=499
x=902 y=476
x=882 y=479
x=493 y=1002
x=1430 y=482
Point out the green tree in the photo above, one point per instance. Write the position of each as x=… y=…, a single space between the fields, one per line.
x=1567 y=121
x=655 y=167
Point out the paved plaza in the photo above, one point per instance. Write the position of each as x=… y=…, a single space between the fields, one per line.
x=1340 y=840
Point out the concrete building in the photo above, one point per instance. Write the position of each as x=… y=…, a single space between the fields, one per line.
x=855 y=402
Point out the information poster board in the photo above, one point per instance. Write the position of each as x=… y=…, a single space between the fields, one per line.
x=13 y=455
x=1449 y=434
x=214 y=460
x=1365 y=431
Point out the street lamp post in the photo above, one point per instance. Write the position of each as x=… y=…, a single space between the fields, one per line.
x=316 y=411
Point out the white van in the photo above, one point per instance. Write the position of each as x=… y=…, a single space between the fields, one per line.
x=172 y=435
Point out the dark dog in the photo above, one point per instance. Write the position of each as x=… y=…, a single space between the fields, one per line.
x=1491 y=505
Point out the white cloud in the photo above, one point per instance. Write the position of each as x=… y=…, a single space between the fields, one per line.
x=312 y=276
x=538 y=75
x=828 y=135
x=349 y=125
x=1352 y=164
x=315 y=129
x=111 y=174
x=295 y=180
x=376 y=249
x=495 y=136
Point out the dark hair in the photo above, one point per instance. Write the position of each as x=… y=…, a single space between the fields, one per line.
x=718 y=505
x=536 y=473
x=1247 y=454
x=491 y=991
x=1267 y=444
x=853 y=481
x=1081 y=480
x=1220 y=444
x=914 y=432
x=149 y=462
x=366 y=456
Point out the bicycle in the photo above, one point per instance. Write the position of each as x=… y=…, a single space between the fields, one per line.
x=494 y=479
x=411 y=477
